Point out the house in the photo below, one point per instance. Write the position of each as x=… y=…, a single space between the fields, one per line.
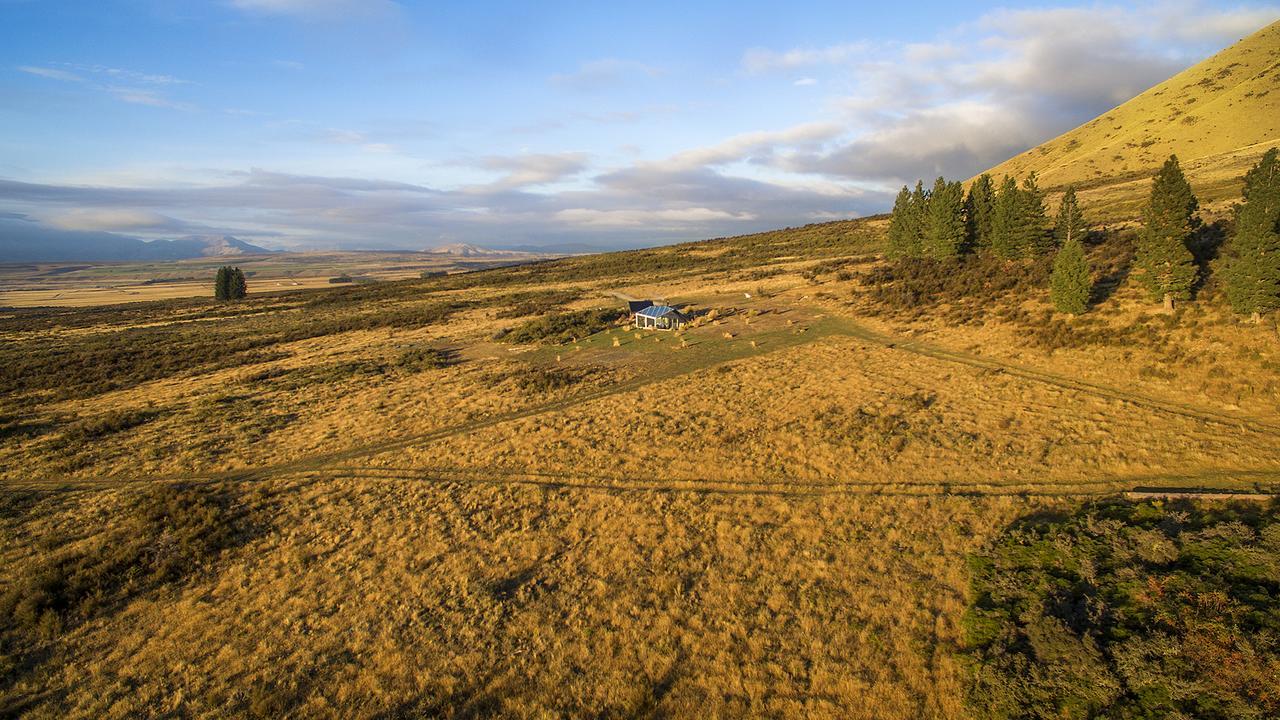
x=635 y=306
x=661 y=317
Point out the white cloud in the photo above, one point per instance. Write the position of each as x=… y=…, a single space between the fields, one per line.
x=758 y=60
x=742 y=146
x=318 y=9
x=603 y=73
x=646 y=218
x=994 y=87
x=51 y=73
x=143 y=96
x=802 y=82
x=116 y=220
x=105 y=79
x=531 y=169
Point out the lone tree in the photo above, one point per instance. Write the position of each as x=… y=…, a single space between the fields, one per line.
x=1252 y=273
x=946 y=233
x=1070 y=221
x=1070 y=284
x=229 y=284
x=979 y=210
x=1168 y=220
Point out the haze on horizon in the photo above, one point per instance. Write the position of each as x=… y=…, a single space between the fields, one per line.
x=373 y=124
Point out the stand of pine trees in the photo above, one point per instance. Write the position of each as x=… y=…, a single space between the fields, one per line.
x=1010 y=222
x=944 y=222
x=229 y=284
x=1252 y=272
x=1168 y=221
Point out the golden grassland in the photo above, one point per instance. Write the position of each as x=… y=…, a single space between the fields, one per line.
x=765 y=515
x=1218 y=116
x=90 y=284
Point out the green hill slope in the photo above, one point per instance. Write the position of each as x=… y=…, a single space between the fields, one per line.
x=1218 y=116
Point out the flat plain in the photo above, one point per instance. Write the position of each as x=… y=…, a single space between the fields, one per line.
x=484 y=494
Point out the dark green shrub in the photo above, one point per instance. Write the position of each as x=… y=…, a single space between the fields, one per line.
x=169 y=533
x=417 y=359
x=560 y=328
x=1129 y=610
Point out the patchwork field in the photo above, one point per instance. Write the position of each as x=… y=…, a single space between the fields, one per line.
x=92 y=284
x=484 y=495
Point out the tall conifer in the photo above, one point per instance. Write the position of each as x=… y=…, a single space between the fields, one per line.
x=920 y=199
x=1032 y=235
x=238 y=288
x=979 y=208
x=1252 y=273
x=1005 y=219
x=222 y=284
x=902 y=231
x=1168 y=220
x=1070 y=283
x=946 y=229
x=1070 y=221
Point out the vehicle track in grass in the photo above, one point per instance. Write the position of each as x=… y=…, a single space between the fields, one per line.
x=828 y=326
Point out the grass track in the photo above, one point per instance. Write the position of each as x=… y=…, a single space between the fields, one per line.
x=707 y=355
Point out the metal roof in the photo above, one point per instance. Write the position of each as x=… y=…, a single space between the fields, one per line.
x=657 y=311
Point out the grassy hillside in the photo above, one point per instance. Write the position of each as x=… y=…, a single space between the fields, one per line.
x=1218 y=116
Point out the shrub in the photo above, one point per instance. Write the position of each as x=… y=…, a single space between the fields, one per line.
x=1128 y=610
x=170 y=533
x=559 y=328
x=546 y=380
x=417 y=359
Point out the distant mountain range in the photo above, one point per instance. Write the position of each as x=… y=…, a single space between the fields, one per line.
x=22 y=241
x=467 y=251
x=474 y=251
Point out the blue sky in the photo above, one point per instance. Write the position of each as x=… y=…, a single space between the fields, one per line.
x=380 y=124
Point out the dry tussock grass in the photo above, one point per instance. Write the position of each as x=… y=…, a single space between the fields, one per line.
x=845 y=412
x=791 y=544
x=420 y=598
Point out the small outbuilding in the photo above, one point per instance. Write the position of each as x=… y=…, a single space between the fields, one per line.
x=661 y=317
x=635 y=306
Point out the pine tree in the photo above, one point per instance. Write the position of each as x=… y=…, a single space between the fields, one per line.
x=222 y=284
x=1168 y=220
x=945 y=236
x=1032 y=237
x=902 y=231
x=238 y=288
x=920 y=199
x=1070 y=283
x=1070 y=221
x=979 y=209
x=1005 y=219
x=1252 y=274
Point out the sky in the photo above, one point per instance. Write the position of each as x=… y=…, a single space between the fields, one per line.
x=382 y=124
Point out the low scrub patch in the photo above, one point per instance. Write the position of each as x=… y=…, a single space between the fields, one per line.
x=418 y=359
x=560 y=328
x=1129 y=610
x=168 y=534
